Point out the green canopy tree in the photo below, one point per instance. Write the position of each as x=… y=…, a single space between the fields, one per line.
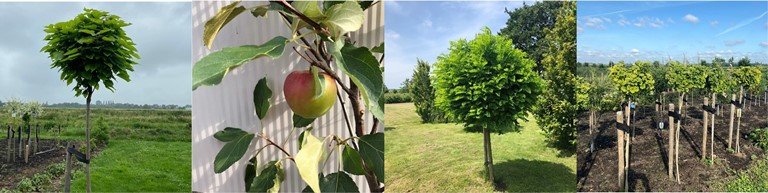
x=557 y=106
x=526 y=28
x=486 y=83
x=90 y=50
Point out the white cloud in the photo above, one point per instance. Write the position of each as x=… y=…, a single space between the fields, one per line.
x=634 y=51
x=393 y=35
x=594 y=22
x=764 y=44
x=579 y=29
x=733 y=42
x=691 y=18
x=714 y=23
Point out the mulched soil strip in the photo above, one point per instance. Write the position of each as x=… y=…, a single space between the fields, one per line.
x=12 y=173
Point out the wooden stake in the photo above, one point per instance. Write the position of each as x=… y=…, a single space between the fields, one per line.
x=738 y=128
x=68 y=172
x=671 y=143
x=730 y=126
x=620 y=146
x=712 y=130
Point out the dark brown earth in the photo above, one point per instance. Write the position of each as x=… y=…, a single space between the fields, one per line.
x=12 y=172
x=598 y=171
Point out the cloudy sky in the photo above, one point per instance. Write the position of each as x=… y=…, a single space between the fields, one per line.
x=655 y=30
x=424 y=30
x=162 y=33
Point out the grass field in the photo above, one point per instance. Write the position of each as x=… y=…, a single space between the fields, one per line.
x=149 y=150
x=445 y=158
x=140 y=166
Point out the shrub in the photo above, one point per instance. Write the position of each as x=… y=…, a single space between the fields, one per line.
x=759 y=136
x=753 y=179
x=394 y=97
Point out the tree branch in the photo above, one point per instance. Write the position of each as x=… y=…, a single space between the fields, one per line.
x=304 y=18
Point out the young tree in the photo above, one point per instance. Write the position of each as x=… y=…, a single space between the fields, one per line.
x=683 y=79
x=486 y=83
x=526 y=28
x=90 y=50
x=424 y=94
x=557 y=105
x=719 y=81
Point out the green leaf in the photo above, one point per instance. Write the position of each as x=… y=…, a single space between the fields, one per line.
x=308 y=160
x=309 y=8
x=250 y=173
x=224 y=16
x=231 y=152
x=299 y=121
x=343 y=18
x=318 y=81
x=363 y=68
x=372 y=151
x=353 y=163
x=260 y=11
x=229 y=134
x=338 y=182
x=365 y=4
x=269 y=179
x=261 y=95
x=210 y=70
x=379 y=48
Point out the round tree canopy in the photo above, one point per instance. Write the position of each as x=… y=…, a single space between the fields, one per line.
x=89 y=49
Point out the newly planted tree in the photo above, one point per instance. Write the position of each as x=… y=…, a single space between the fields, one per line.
x=90 y=50
x=748 y=78
x=683 y=79
x=322 y=33
x=719 y=82
x=486 y=83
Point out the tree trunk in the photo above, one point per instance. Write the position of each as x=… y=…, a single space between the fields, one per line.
x=712 y=130
x=68 y=171
x=488 y=154
x=8 y=148
x=738 y=128
x=730 y=125
x=88 y=140
x=37 y=136
x=704 y=133
x=591 y=127
x=677 y=141
x=671 y=143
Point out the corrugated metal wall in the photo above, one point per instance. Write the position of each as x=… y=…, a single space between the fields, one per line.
x=230 y=104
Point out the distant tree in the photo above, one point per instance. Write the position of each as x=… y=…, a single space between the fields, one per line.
x=557 y=105
x=656 y=64
x=486 y=83
x=423 y=94
x=610 y=64
x=744 y=62
x=730 y=62
x=405 y=86
x=717 y=61
x=525 y=27
x=88 y=50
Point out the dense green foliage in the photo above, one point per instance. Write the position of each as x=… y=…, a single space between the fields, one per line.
x=759 y=136
x=486 y=82
x=90 y=49
x=753 y=179
x=392 y=97
x=526 y=28
x=633 y=80
x=42 y=181
x=420 y=87
x=749 y=78
x=719 y=81
x=684 y=78
x=558 y=104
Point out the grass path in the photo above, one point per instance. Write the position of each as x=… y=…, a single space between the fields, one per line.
x=445 y=158
x=139 y=166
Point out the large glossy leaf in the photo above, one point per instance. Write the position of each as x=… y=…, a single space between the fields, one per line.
x=338 y=182
x=353 y=163
x=212 y=68
x=229 y=134
x=372 y=151
x=344 y=17
x=299 y=121
x=269 y=178
x=261 y=95
x=224 y=16
x=308 y=160
x=231 y=152
x=363 y=68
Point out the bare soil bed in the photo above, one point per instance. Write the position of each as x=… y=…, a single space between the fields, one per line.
x=12 y=172
x=598 y=171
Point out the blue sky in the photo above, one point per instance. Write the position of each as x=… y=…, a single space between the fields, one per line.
x=655 y=30
x=424 y=29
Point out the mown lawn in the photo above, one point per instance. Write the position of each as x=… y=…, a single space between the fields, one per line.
x=139 y=166
x=445 y=158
